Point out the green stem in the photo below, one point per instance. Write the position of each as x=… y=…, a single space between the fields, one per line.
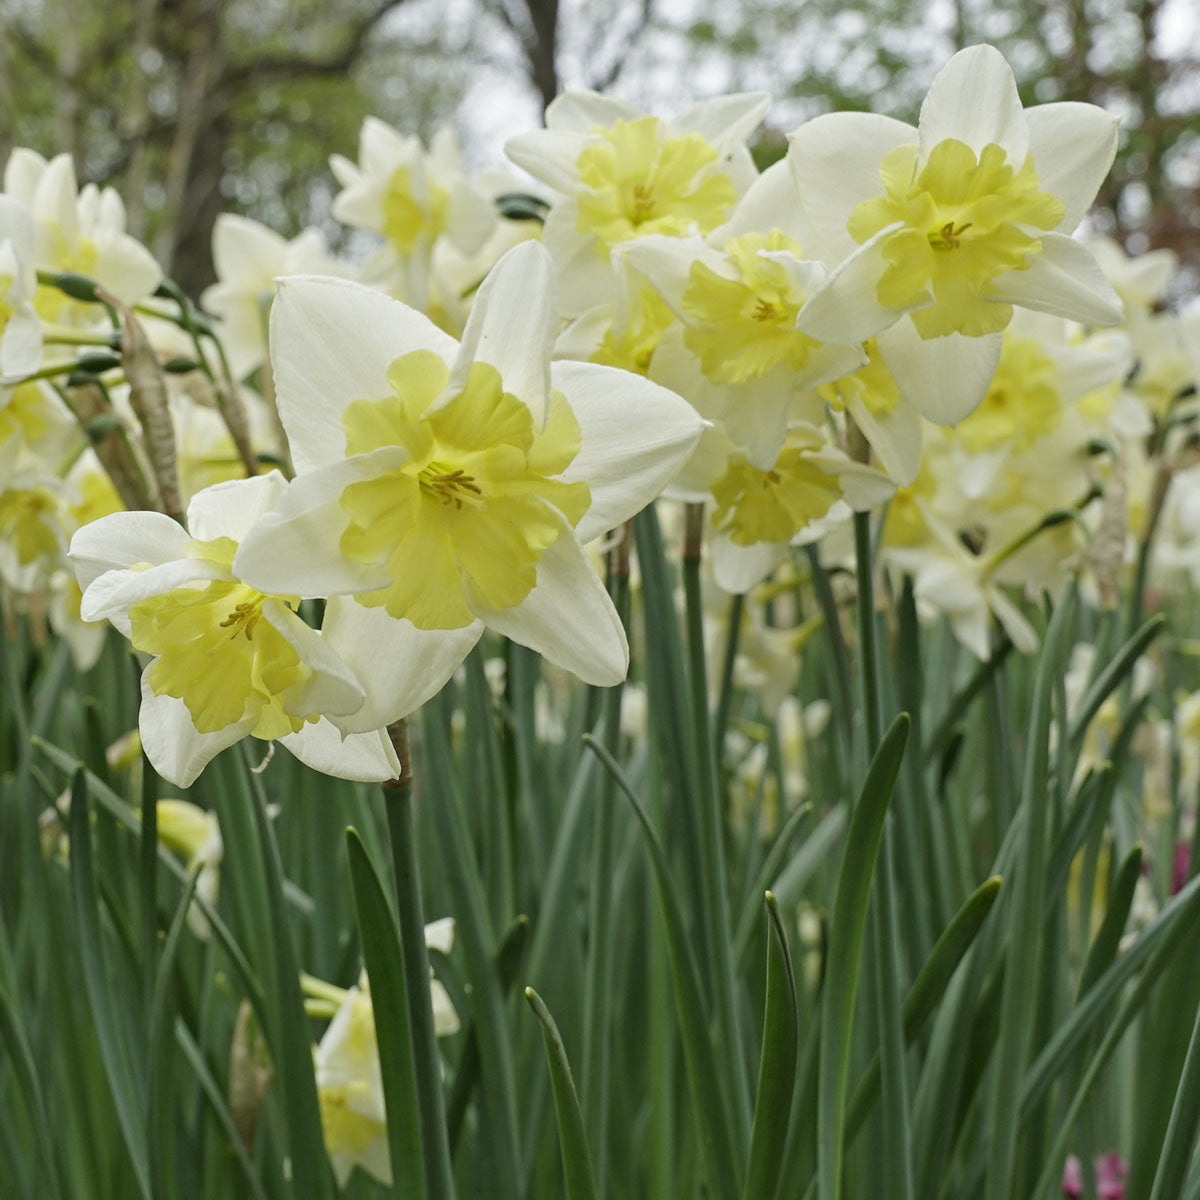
x=439 y=1177
x=598 y=990
x=715 y=897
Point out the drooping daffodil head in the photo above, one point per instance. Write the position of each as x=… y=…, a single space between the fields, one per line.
x=227 y=661
x=943 y=229
x=443 y=488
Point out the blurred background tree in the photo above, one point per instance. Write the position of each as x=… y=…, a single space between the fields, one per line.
x=192 y=107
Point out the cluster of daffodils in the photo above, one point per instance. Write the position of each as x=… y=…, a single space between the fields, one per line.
x=305 y=502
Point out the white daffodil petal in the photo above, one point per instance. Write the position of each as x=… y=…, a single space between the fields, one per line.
x=1064 y=279
x=398 y=665
x=634 y=435
x=228 y=509
x=109 y=596
x=365 y=756
x=834 y=161
x=771 y=202
x=332 y=342
x=756 y=417
x=584 y=274
x=945 y=378
x=294 y=549
x=667 y=263
x=126 y=267
x=725 y=122
x=512 y=326
x=122 y=540
x=737 y=569
x=568 y=618
x=845 y=309
x=439 y=935
x=332 y=688
x=551 y=155
x=582 y=110
x=177 y=750
x=894 y=436
x=21 y=346
x=1073 y=146
x=973 y=99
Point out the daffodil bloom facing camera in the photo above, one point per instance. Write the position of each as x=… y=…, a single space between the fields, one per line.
x=442 y=488
x=624 y=175
x=227 y=661
x=943 y=229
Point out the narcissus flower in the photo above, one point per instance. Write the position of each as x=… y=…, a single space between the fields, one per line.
x=624 y=175
x=248 y=257
x=228 y=661
x=412 y=197
x=943 y=229
x=78 y=230
x=346 y=1064
x=449 y=487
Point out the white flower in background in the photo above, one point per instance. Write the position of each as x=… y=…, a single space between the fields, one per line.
x=624 y=175
x=448 y=488
x=196 y=834
x=759 y=512
x=78 y=231
x=248 y=257
x=346 y=1064
x=228 y=661
x=20 y=330
x=943 y=229
x=33 y=518
x=412 y=197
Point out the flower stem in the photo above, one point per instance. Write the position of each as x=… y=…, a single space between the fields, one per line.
x=439 y=1178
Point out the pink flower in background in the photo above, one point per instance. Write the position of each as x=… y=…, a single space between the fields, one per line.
x=1111 y=1172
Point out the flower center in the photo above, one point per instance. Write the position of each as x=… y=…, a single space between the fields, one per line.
x=639 y=182
x=982 y=209
x=743 y=327
x=463 y=523
x=450 y=485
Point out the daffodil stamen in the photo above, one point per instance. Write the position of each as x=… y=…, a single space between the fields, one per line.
x=244 y=618
x=451 y=485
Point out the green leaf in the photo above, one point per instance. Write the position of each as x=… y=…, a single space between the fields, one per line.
x=712 y=1125
x=845 y=943
x=1017 y=1010
x=927 y=989
x=777 y=1066
x=579 y=1182
x=1107 y=681
x=19 y=1055
x=112 y=1032
x=384 y=961
x=1107 y=941
x=1181 y=1129
x=159 y=1012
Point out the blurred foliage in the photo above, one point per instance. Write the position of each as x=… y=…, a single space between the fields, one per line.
x=190 y=107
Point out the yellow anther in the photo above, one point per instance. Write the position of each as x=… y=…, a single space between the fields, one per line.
x=243 y=618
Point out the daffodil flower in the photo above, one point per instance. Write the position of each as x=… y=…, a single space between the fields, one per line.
x=248 y=257
x=442 y=488
x=346 y=1065
x=20 y=330
x=737 y=294
x=625 y=175
x=228 y=661
x=80 y=231
x=759 y=512
x=943 y=229
x=412 y=197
